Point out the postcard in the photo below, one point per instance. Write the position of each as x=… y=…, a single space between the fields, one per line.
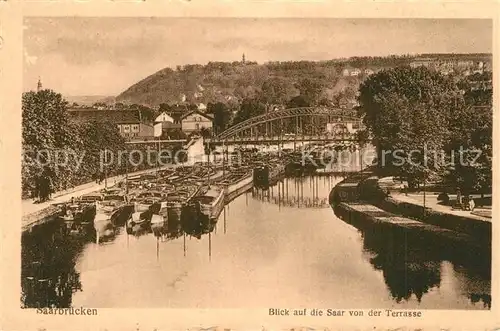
x=249 y=166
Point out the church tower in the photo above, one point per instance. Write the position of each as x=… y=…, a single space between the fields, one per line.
x=39 y=85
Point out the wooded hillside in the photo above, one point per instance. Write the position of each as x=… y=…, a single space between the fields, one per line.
x=232 y=82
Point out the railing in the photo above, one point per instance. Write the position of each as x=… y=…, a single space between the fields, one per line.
x=285 y=139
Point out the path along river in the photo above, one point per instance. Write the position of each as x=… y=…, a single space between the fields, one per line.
x=274 y=250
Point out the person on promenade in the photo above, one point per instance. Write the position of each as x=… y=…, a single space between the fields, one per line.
x=459 y=197
x=50 y=187
x=472 y=204
x=465 y=203
x=36 y=189
x=43 y=187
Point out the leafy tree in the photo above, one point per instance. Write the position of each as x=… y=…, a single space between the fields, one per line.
x=276 y=90
x=99 y=104
x=48 y=131
x=205 y=132
x=45 y=120
x=477 y=89
x=311 y=89
x=298 y=101
x=470 y=148
x=249 y=108
x=401 y=108
x=165 y=107
x=221 y=115
x=120 y=106
x=177 y=134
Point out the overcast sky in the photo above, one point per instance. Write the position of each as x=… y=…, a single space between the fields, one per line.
x=104 y=56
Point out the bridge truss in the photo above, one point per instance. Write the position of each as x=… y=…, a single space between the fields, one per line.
x=305 y=121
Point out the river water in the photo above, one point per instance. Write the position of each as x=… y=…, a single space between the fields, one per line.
x=279 y=248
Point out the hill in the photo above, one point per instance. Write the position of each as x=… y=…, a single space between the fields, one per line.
x=278 y=81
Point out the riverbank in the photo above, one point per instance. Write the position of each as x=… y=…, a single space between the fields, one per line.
x=40 y=213
x=363 y=195
x=481 y=212
x=256 y=241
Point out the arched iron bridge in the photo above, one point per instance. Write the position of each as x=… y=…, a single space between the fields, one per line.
x=294 y=124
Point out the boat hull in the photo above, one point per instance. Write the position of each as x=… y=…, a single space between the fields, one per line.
x=106 y=220
x=212 y=211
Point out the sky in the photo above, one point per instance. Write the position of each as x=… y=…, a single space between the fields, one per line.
x=104 y=56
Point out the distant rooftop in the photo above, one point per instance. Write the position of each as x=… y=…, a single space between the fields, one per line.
x=115 y=116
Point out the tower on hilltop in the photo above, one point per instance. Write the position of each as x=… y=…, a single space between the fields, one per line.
x=39 y=85
x=243 y=58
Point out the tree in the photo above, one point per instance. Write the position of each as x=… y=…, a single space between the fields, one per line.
x=177 y=134
x=276 y=90
x=311 y=89
x=48 y=131
x=402 y=108
x=120 y=106
x=205 y=132
x=470 y=149
x=99 y=104
x=45 y=120
x=298 y=101
x=221 y=115
x=165 y=107
x=249 y=108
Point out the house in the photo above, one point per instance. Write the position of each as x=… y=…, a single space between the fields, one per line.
x=464 y=64
x=423 y=62
x=355 y=72
x=446 y=71
x=369 y=72
x=130 y=123
x=134 y=130
x=168 y=123
x=345 y=72
x=196 y=120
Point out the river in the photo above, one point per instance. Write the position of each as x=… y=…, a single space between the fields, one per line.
x=280 y=248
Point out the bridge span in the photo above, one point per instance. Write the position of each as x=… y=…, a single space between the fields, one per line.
x=306 y=124
x=258 y=140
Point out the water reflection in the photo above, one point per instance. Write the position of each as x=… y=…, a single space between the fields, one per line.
x=409 y=268
x=296 y=192
x=48 y=275
x=412 y=263
x=259 y=250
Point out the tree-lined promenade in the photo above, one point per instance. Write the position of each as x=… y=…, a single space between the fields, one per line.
x=424 y=114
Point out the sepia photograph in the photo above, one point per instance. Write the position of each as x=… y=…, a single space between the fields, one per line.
x=256 y=163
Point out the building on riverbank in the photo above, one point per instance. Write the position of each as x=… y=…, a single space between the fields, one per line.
x=196 y=120
x=131 y=124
